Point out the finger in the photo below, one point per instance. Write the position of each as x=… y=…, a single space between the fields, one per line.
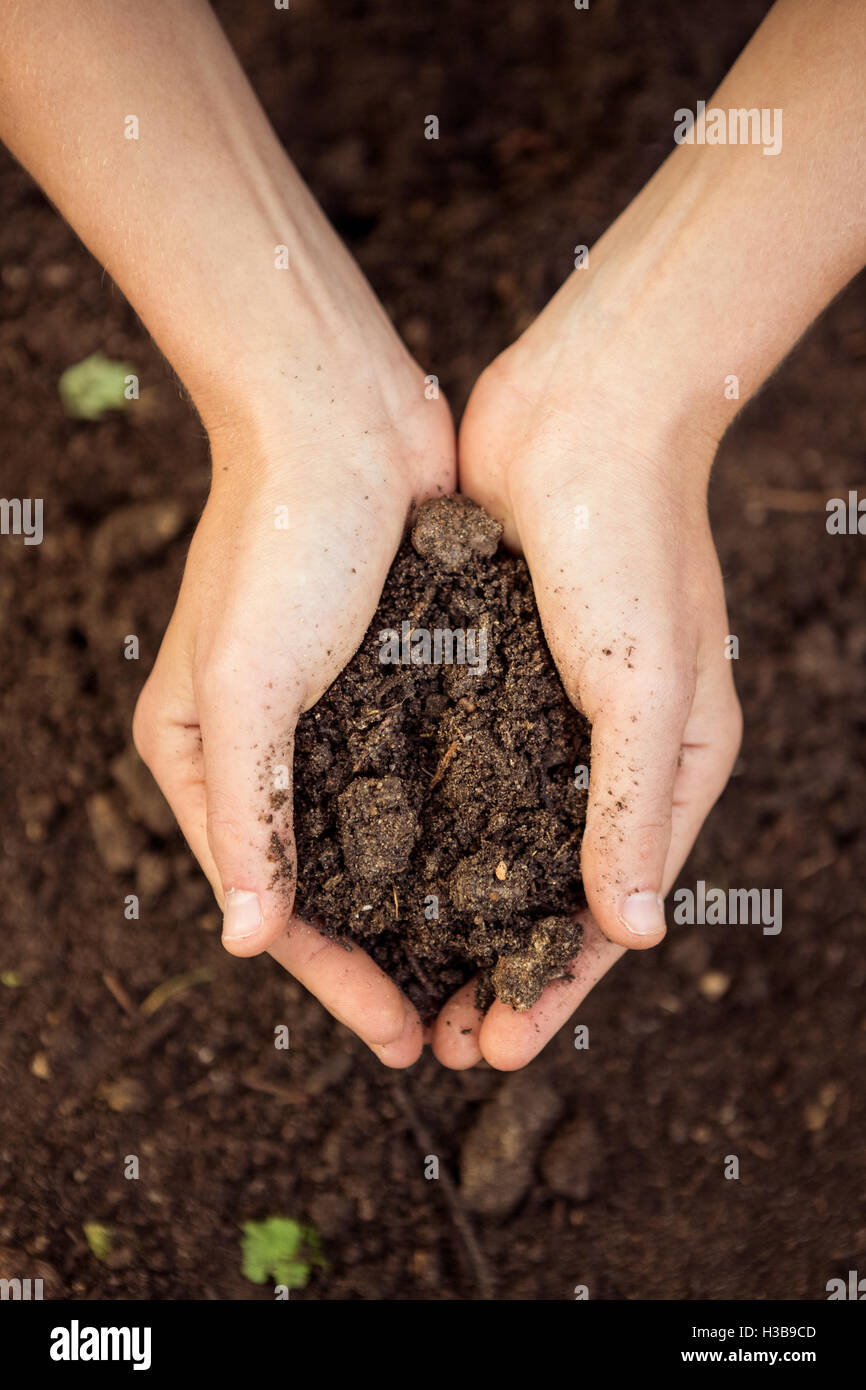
x=626 y=656
x=406 y=1050
x=711 y=743
x=710 y=747
x=349 y=985
x=457 y=1030
x=210 y=755
x=637 y=734
x=246 y=722
x=352 y=988
x=510 y=1040
x=166 y=734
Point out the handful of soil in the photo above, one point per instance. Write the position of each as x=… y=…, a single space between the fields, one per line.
x=437 y=814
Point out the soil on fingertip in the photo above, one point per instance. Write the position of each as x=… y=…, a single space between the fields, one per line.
x=439 y=804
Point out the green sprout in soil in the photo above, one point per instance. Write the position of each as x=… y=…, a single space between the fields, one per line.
x=93 y=386
x=281 y=1250
x=100 y=1239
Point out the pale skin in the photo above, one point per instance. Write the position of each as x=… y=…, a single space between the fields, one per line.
x=613 y=401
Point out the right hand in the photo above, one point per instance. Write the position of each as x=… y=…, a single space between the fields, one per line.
x=265 y=620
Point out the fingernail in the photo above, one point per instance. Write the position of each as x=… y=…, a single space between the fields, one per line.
x=243 y=914
x=643 y=913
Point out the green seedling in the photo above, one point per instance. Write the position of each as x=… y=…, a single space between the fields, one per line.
x=96 y=385
x=281 y=1250
x=100 y=1239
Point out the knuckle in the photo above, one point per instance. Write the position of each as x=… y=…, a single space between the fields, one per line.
x=225 y=821
x=651 y=838
x=145 y=727
x=732 y=726
x=735 y=720
x=218 y=672
x=661 y=686
x=670 y=689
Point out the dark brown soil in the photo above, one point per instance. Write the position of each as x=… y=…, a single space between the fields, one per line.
x=437 y=814
x=716 y=1043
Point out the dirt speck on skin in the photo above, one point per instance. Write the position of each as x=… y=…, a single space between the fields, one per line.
x=436 y=816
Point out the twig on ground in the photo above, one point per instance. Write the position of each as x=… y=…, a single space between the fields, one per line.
x=483 y=1274
x=116 y=988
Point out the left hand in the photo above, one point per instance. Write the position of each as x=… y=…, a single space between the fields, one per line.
x=609 y=507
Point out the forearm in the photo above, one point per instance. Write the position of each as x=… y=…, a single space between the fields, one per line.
x=726 y=256
x=188 y=216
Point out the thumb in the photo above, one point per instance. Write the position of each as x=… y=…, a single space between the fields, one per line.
x=637 y=734
x=246 y=728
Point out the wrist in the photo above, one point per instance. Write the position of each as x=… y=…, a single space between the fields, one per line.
x=339 y=419
x=295 y=340
x=605 y=385
x=661 y=311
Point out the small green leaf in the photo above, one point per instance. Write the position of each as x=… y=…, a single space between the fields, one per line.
x=93 y=386
x=281 y=1250
x=100 y=1239
x=11 y=979
x=293 y=1273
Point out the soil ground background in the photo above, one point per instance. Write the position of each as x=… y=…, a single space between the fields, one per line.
x=721 y=1042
